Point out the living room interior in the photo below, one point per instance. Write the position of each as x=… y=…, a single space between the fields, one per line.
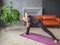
x=45 y=10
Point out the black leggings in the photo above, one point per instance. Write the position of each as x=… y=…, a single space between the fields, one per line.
x=40 y=24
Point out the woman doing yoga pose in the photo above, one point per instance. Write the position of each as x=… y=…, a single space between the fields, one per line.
x=30 y=20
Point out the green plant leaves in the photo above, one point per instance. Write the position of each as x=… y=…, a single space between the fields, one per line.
x=16 y=14
x=9 y=15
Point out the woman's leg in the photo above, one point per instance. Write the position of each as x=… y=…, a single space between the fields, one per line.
x=28 y=29
x=40 y=24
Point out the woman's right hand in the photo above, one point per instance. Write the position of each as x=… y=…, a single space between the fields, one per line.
x=23 y=19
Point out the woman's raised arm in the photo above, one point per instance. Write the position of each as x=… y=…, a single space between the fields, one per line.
x=27 y=23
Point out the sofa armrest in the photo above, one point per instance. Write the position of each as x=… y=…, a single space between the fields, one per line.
x=58 y=20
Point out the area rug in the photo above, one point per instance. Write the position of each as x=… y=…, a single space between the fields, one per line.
x=40 y=38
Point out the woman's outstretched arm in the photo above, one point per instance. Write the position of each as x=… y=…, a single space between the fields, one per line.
x=26 y=16
x=25 y=19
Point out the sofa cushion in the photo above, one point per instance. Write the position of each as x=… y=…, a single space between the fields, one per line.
x=50 y=22
x=39 y=17
x=49 y=16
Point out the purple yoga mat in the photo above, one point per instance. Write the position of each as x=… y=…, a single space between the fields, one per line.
x=40 y=38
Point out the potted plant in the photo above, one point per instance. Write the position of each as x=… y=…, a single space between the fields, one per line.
x=9 y=15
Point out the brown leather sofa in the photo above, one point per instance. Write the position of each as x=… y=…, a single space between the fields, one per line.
x=49 y=20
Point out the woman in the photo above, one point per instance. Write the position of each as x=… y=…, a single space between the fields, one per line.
x=30 y=20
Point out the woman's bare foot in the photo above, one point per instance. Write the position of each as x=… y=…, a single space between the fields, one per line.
x=55 y=41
